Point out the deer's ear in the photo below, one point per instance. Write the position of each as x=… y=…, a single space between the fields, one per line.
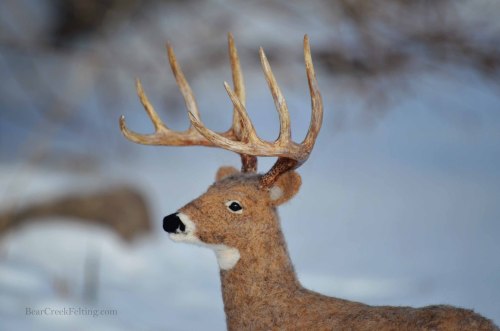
x=224 y=172
x=285 y=188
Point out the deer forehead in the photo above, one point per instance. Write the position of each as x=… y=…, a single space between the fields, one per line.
x=220 y=195
x=246 y=192
x=237 y=186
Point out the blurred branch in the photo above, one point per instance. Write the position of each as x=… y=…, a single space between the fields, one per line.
x=121 y=209
x=391 y=41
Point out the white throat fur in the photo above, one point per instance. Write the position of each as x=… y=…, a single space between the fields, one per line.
x=227 y=257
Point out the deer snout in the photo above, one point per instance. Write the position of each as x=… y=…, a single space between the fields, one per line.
x=172 y=223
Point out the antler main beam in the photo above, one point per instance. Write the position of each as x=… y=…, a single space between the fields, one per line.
x=241 y=137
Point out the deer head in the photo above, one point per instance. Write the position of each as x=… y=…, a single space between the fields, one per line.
x=240 y=205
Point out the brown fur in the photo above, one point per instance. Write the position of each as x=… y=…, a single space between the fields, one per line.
x=262 y=292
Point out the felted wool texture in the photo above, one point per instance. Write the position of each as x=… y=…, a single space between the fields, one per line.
x=262 y=292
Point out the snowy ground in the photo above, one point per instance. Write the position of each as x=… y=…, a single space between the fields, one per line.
x=406 y=213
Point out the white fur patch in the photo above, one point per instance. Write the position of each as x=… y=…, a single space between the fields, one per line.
x=227 y=257
x=275 y=193
x=187 y=235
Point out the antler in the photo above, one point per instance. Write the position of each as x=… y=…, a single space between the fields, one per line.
x=248 y=162
x=191 y=137
x=290 y=154
x=241 y=137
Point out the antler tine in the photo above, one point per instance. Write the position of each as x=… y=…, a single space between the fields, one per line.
x=248 y=162
x=237 y=74
x=155 y=119
x=247 y=133
x=316 y=101
x=182 y=83
x=279 y=100
x=153 y=115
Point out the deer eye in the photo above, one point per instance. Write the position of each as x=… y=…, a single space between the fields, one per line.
x=234 y=206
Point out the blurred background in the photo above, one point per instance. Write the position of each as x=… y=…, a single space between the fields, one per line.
x=400 y=196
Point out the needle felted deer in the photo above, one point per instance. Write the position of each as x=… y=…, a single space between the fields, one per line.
x=237 y=218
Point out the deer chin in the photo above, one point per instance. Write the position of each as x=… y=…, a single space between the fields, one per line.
x=227 y=257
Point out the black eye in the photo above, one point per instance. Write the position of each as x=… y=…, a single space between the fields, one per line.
x=234 y=206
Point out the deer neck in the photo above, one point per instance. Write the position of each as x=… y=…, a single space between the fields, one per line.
x=264 y=267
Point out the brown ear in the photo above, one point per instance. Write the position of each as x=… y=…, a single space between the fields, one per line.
x=284 y=188
x=224 y=172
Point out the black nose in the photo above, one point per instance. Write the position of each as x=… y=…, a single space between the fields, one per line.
x=172 y=222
